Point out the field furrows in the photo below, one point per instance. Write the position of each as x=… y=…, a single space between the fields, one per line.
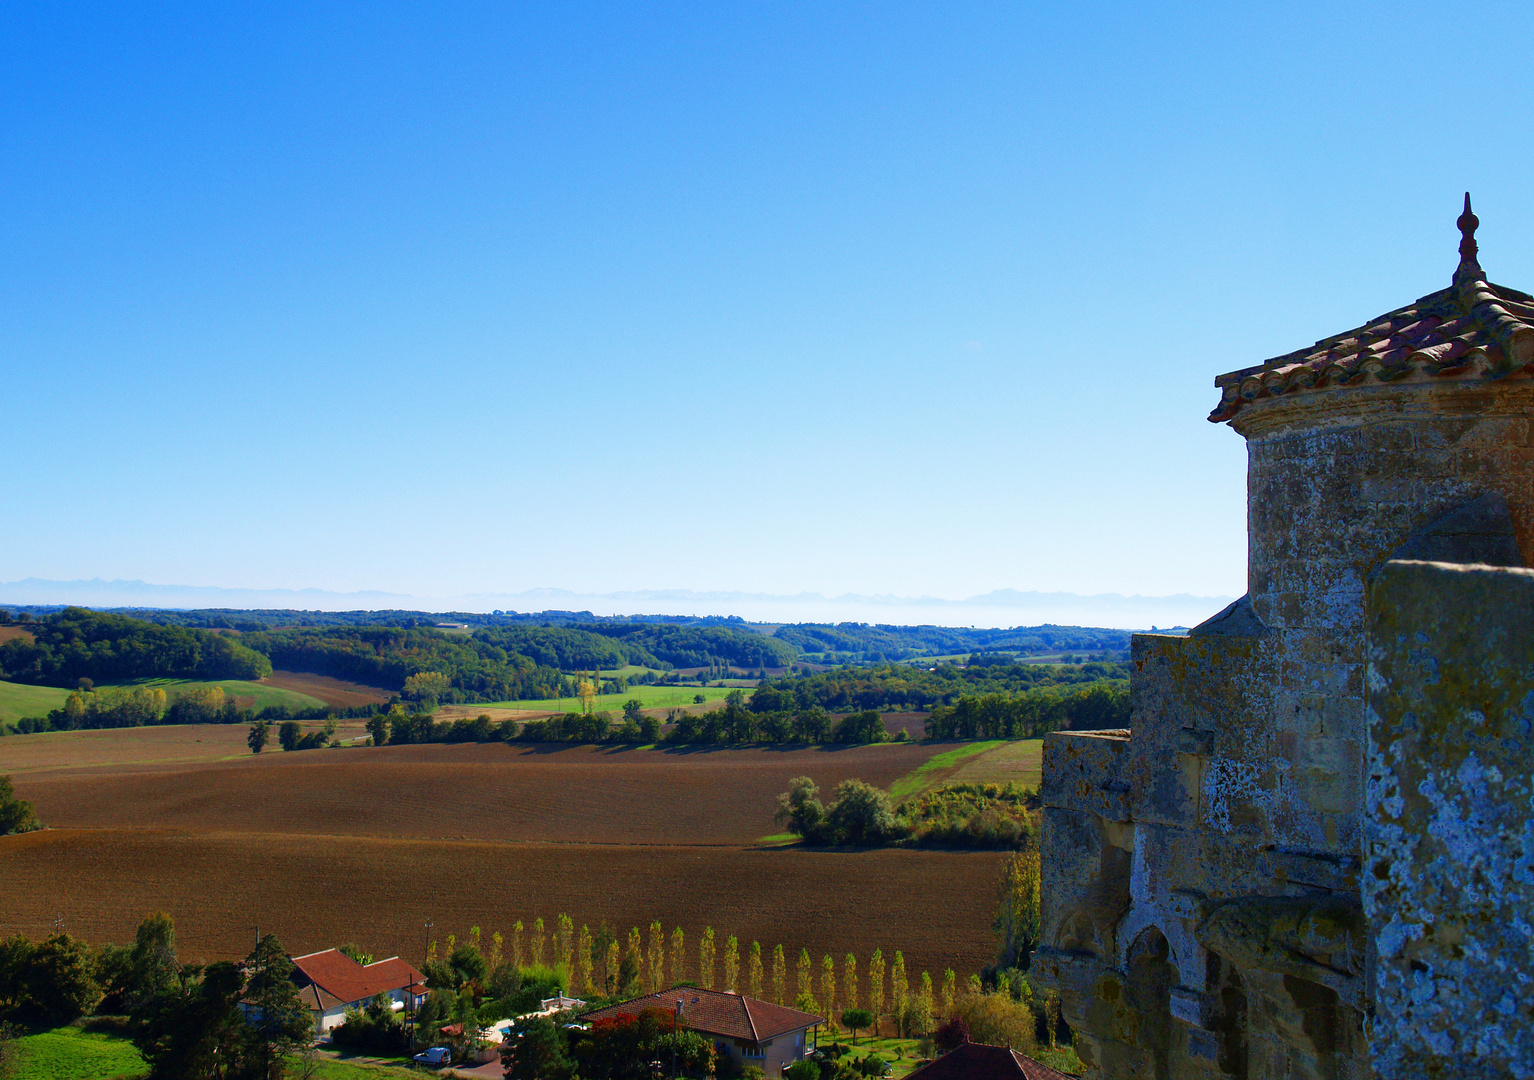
x=314 y=892
x=588 y=794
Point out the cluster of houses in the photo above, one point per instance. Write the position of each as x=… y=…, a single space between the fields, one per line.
x=752 y=1032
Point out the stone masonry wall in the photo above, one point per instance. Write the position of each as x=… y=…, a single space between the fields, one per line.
x=1449 y=870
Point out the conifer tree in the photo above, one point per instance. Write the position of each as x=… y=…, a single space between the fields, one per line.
x=564 y=947
x=949 y=992
x=779 y=974
x=828 y=987
x=538 y=936
x=876 y=986
x=754 y=970
x=516 y=945
x=706 y=958
x=732 y=964
x=657 y=956
x=850 y=981
x=678 y=956
x=583 y=961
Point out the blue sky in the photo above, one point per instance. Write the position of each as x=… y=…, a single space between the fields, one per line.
x=910 y=299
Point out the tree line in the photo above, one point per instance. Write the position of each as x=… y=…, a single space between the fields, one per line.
x=960 y=815
x=904 y=687
x=78 y=643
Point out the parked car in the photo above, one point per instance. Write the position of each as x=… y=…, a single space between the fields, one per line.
x=437 y=1055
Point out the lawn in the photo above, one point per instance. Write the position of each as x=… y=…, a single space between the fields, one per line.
x=903 y=1055
x=68 y=1053
x=18 y=700
x=652 y=697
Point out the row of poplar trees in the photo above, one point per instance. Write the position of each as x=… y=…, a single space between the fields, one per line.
x=603 y=965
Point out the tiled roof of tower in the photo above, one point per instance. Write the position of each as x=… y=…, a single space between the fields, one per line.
x=1472 y=328
x=717 y=1012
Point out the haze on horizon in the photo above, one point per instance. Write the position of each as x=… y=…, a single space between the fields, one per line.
x=916 y=299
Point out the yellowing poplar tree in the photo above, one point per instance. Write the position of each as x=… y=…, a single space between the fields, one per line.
x=850 y=981
x=634 y=955
x=678 y=956
x=496 y=942
x=564 y=946
x=583 y=961
x=732 y=964
x=516 y=944
x=614 y=966
x=1018 y=923
x=706 y=958
x=657 y=957
x=876 y=987
x=779 y=974
x=754 y=970
x=900 y=987
x=828 y=988
x=538 y=936
x=949 y=992
x=803 y=974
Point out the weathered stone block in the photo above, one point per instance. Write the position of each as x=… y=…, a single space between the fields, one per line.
x=1448 y=878
x=1084 y=771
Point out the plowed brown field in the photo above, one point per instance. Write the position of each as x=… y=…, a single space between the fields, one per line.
x=337 y=692
x=365 y=844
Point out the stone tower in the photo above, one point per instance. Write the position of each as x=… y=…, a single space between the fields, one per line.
x=1203 y=915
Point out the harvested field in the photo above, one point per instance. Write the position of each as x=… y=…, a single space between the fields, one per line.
x=168 y=744
x=314 y=892
x=364 y=844
x=495 y=791
x=336 y=692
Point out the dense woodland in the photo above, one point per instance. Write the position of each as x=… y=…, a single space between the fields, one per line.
x=911 y=688
x=77 y=643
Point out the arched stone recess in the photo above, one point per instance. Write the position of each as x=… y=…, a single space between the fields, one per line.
x=1185 y=954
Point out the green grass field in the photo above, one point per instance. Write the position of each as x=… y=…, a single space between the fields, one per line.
x=653 y=697
x=1020 y=763
x=68 y=1053
x=18 y=700
x=935 y=769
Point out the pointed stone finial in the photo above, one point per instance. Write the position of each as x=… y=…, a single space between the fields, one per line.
x=1468 y=264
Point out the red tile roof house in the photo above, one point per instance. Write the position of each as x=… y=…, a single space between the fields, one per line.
x=977 y=1061
x=331 y=982
x=750 y=1031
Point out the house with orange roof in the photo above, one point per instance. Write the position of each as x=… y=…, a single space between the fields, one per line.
x=750 y=1031
x=330 y=982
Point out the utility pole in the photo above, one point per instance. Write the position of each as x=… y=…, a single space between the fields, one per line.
x=410 y=993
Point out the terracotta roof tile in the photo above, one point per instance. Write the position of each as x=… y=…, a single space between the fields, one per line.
x=1471 y=329
x=346 y=980
x=977 y=1061
x=717 y=1012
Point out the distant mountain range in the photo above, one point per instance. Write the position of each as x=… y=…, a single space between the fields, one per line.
x=1000 y=608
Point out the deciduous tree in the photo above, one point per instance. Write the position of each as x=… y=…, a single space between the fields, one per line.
x=706 y=958
x=779 y=974
x=876 y=985
x=754 y=969
x=732 y=964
